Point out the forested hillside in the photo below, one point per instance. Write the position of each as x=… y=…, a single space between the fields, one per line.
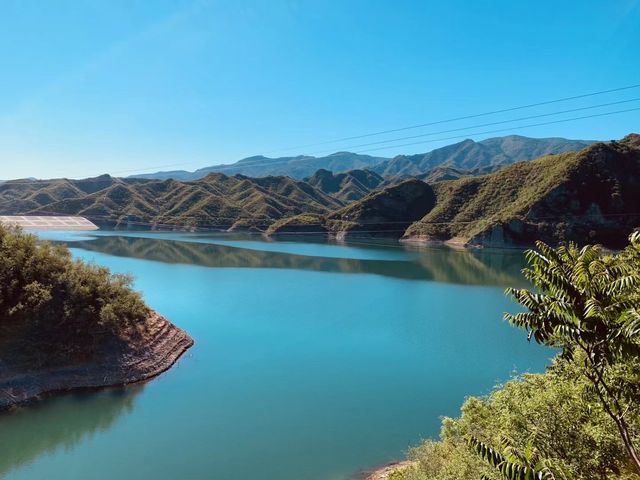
x=65 y=324
x=587 y=196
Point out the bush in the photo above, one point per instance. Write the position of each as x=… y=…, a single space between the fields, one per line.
x=47 y=295
x=556 y=411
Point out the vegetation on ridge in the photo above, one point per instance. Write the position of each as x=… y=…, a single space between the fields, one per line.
x=590 y=195
x=491 y=153
x=214 y=202
x=388 y=211
x=347 y=186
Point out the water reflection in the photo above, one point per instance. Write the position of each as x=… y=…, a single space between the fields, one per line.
x=60 y=423
x=437 y=264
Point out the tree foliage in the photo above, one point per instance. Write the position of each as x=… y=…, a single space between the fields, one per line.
x=512 y=463
x=47 y=297
x=557 y=413
x=589 y=302
x=581 y=418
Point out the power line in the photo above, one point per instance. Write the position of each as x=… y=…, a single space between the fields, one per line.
x=9 y=183
x=465 y=117
x=521 y=107
x=486 y=124
x=221 y=168
x=231 y=166
x=487 y=132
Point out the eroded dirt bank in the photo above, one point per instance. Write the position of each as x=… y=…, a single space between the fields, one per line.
x=154 y=349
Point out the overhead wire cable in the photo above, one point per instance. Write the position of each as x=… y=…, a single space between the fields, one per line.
x=464 y=117
x=487 y=132
x=531 y=117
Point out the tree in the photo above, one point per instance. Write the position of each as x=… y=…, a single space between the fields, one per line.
x=512 y=463
x=588 y=301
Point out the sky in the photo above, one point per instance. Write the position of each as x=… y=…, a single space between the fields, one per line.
x=122 y=86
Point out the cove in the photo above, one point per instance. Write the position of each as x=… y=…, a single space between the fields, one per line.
x=312 y=360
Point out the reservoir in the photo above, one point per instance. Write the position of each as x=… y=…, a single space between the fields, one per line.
x=312 y=360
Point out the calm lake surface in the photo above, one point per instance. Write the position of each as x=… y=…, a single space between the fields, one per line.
x=312 y=361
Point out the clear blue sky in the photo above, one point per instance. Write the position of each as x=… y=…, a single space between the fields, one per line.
x=97 y=86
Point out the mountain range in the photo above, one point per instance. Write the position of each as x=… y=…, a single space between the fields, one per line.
x=468 y=155
x=216 y=201
x=297 y=167
x=591 y=195
x=587 y=195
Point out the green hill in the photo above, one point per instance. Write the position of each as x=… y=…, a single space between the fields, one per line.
x=588 y=196
x=216 y=201
x=387 y=212
x=347 y=186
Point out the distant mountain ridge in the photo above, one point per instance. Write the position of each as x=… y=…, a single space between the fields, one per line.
x=297 y=167
x=487 y=155
x=491 y=153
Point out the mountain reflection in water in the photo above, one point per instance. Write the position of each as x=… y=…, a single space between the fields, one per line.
x=445 y=265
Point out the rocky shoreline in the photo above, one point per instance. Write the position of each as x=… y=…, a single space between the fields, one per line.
x=155 y=350
x=387 y=469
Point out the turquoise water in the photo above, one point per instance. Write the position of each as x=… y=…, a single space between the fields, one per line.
x=312 y=361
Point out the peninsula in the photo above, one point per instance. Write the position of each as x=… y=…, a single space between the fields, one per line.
x=66 y=325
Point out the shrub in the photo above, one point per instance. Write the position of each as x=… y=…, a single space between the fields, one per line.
x=52 y=299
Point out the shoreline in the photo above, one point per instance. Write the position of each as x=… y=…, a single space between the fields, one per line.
x=383 y=472
x=156 y=353
x=344 y=236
